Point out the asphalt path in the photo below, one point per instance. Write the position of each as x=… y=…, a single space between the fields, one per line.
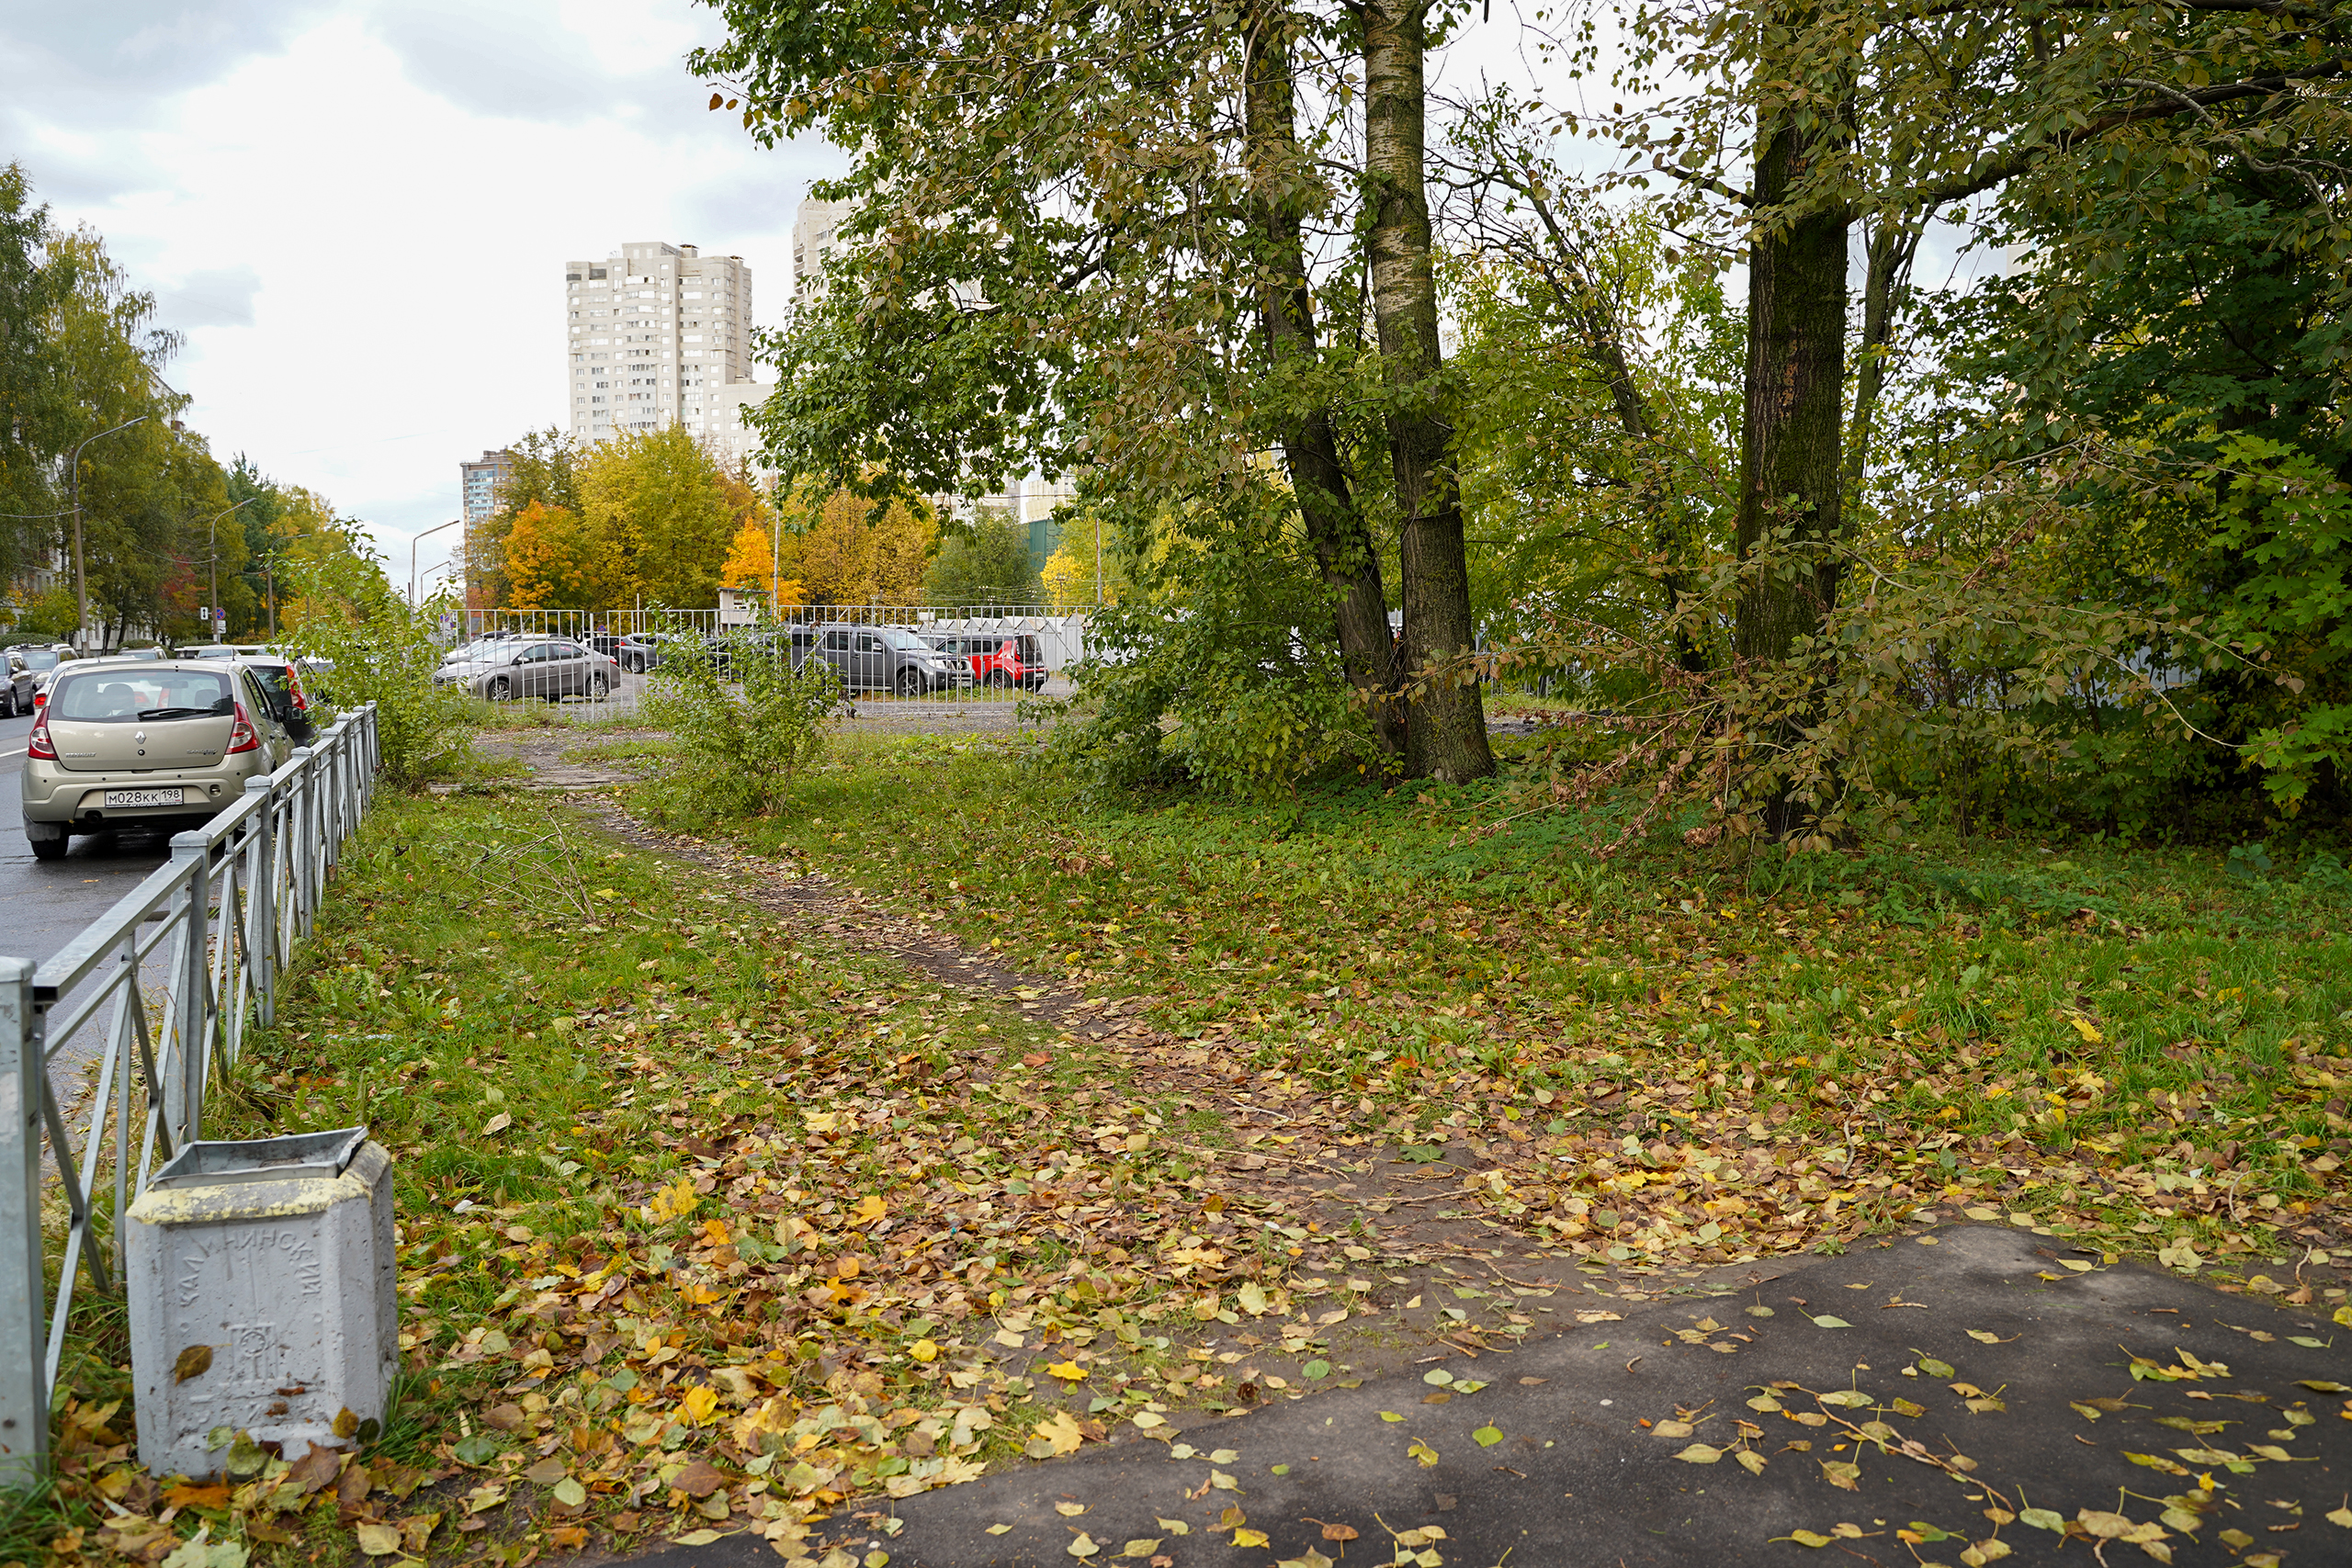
x=47 y=904
x=1984 y=1395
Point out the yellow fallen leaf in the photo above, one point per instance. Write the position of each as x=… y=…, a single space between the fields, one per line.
x=378 y=1540
x=1069 y=1372
x=1069 y=1510
x=869 y=1210
x=2088 y=1031
x=1060 y=1435
x=1084 y=1547
x=925 y=1350
x=715 y=1232
x=698 y=1404
x=1249 y=1538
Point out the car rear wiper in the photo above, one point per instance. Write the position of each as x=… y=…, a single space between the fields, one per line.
x=146 y=715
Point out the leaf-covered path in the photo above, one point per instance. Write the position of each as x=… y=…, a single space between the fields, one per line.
x=763 y=1185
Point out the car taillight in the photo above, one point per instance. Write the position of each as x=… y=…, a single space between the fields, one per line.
x=242 y=735
x=40 y=701
x=38 y=743
x=294 y=690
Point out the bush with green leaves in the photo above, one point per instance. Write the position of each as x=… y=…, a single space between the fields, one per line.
x=377 y=648
x=745 y=723
x=1221 y=669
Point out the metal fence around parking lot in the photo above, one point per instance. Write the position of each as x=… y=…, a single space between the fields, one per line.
x=984 y=654
x=152 y=1002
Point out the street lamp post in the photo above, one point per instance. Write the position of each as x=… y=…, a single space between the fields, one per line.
x=411 y=556
x=81 y=580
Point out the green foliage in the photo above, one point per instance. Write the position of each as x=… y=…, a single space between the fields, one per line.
x=1220 y=671
x=2177 y=377
x=743 y=730
x=381 y=649
x=983 y=562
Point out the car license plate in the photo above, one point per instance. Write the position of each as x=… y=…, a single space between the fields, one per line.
x=144 y=798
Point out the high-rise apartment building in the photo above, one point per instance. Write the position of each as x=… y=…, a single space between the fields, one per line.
x=659 y=335
x=477 y=483
x=816 y=229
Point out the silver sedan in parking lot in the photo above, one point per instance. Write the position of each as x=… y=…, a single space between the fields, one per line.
x=519 y=667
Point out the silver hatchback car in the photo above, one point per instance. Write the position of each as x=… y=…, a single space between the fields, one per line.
x=160 y=746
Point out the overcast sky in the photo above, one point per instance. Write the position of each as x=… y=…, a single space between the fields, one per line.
x=357 y=210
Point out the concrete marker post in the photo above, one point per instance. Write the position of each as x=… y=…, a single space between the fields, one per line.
x=24 y=1337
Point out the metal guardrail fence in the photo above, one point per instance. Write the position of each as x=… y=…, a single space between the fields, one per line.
x=1043 y=640
x=211 y=932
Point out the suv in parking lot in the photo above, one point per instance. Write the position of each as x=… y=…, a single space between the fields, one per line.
x=876 y=659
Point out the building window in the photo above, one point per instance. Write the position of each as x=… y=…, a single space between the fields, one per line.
x=595 y=272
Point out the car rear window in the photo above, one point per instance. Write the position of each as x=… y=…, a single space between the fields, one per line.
x=119 y=697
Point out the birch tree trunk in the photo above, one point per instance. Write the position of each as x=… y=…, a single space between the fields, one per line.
x=1446 y=725
x=1280 y=173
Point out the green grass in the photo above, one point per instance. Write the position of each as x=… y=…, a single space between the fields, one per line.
x=655 y=1143
x=2143 y=1027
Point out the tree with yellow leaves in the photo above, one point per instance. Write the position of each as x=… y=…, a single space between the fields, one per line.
x=842 y=554
x=665 y=505
x=555 y=560
x=751 y=567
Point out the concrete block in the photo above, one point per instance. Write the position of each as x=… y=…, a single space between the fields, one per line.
x=261 y=1278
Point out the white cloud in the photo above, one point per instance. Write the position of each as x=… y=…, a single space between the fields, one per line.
x=358 y=213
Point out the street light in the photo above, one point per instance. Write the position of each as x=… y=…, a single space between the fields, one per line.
x=411 y=556
x=219 y=620
x=81 y=580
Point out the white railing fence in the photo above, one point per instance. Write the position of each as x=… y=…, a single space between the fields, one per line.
x=1045 y=639
x=149 y=1004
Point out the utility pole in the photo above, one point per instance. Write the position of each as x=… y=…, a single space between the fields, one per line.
x=219 y=622
x=269 y=587
x=80 y=580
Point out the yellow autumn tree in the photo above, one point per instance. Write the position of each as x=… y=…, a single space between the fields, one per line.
x=751 y=567
x=841 y=553
x=555 y=560
x=665 y=505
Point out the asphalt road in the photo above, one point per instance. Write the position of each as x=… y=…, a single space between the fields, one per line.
x=43 y=906
x=2004 y=1406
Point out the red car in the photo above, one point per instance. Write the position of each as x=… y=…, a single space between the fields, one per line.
x=1016 y=660
x=998 y=659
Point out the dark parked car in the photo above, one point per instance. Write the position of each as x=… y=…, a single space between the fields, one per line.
x=280 y=680
x=632 y=651
x=30 y=666
x=878 y=659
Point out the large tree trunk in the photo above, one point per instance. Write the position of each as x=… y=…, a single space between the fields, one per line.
x=1793 y=431
x=1446 y=725
x=1791 y=476
x=1279 y=169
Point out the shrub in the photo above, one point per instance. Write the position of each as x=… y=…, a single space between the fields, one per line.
x=744 y=726
x=379 y=648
